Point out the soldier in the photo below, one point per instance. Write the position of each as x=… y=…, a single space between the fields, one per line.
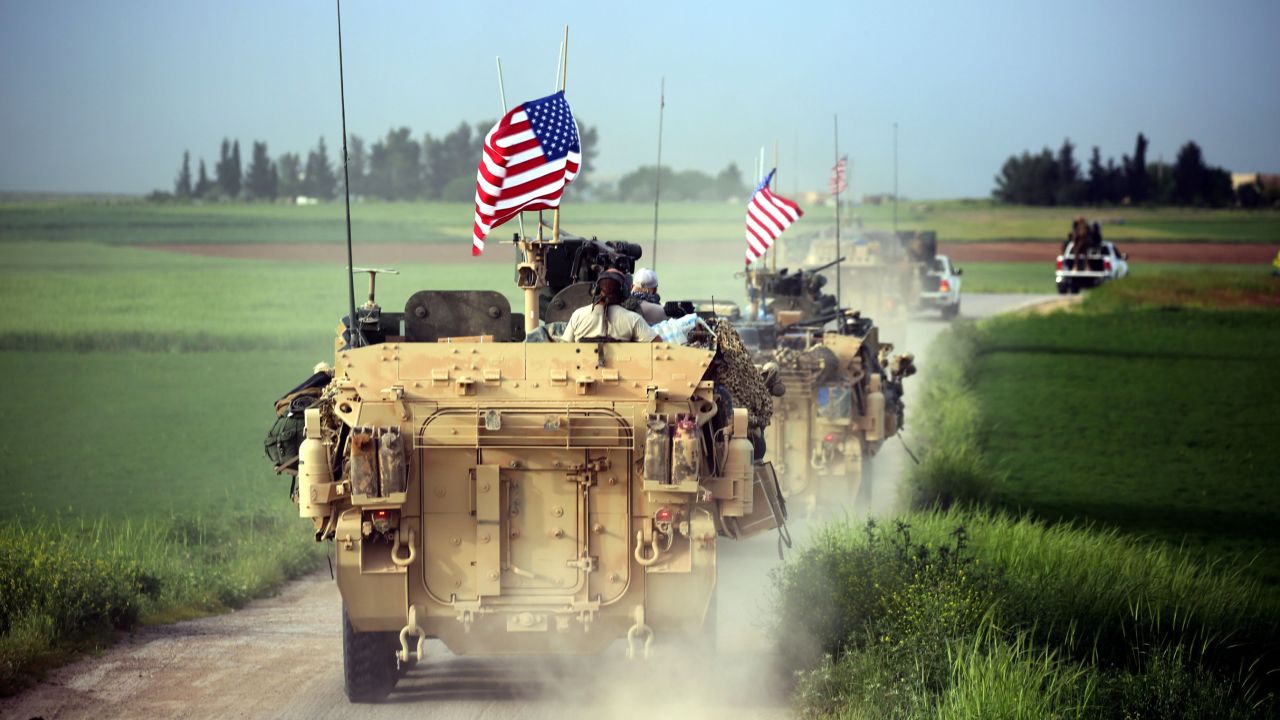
x=644 y=297
x=612 y=321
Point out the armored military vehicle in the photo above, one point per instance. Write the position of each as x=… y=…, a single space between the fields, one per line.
x=842 y=394
x=509 y=495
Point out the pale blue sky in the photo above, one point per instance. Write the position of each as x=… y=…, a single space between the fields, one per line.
x=101 y=95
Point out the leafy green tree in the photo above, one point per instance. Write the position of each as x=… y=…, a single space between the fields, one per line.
x=589 y=139
x=182 y=186
x=289 y=167
x=1137 y=182
x=203 y=184
x=395 y=167
x=729 y=183
x=1069 y=190
x=318 y=179
x=1096 y=184
x=259 y=182
x=1028 y=179
x=235 y=171
x=451 y=157
x=357 y=164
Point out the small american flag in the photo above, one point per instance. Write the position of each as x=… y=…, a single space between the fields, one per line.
x=529 y=157
x=838 y=183
x=767 y=216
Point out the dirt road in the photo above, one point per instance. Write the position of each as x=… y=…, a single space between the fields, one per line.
x=281 y=657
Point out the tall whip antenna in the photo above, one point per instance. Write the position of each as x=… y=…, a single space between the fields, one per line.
x=657 y=179
x=836 y=179
x=502 y=95
x=356 y=337
x=563 y=78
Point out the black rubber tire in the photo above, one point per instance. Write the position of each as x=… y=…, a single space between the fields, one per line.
x=368 y=663
x=1062 y=288
x=1075 y=287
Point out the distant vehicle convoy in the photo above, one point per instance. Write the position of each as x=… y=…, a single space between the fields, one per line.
x=1087 y=265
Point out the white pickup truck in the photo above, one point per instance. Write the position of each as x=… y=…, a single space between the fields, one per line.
x=940 y=286
x=1091 y=267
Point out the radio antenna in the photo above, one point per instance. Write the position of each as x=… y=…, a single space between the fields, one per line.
x=355 y=337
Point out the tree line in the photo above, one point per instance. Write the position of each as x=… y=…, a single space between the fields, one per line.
x=1048 y=178
x=398 y=166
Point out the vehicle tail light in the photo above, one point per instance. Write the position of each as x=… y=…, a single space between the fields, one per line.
x=664 y=515
x=384 y=520
x=830 y=438
x=1059 y=263
x=1106 y=265
x=944 y=286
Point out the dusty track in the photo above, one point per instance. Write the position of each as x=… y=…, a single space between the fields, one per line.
x=281 y=657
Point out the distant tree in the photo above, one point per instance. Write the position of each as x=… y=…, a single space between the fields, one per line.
x=589 y=139
x=182 y=186
x=357 y=164
x=1113 y=183
x=275 y=182
x=1069 y=190
x=318 y=179
x=203 y=184
x=1160 y=183
x=1190 y=176
x=453 y=156
x=395 y=166
x=1096 y=184
x=1137 y=182
x=222 y=170
x=289 y=166
x=1028 y=179
x=236 y=170
x=259 y=181
x=729 y=183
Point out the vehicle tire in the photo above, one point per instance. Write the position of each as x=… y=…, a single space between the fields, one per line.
x=951 y=311
x=1075 y=287
x=1063 y=288
x=707 y=637
x=368 y=663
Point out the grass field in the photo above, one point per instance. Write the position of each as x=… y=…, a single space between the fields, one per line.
x=373 y=222
x=1159 y=422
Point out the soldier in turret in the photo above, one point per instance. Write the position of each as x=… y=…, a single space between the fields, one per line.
x=611 y=322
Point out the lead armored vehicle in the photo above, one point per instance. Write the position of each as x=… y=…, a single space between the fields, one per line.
x=510 y=495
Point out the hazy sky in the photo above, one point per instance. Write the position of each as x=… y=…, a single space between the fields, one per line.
x=104 y=96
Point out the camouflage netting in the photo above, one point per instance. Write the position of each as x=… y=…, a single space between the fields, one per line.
x=738 y=374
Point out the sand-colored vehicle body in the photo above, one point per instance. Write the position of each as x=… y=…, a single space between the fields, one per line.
x=510 y=495
x=843 y=400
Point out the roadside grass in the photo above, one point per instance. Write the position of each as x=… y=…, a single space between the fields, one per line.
x=69 y=584
x=139 y=222
x=975 y=614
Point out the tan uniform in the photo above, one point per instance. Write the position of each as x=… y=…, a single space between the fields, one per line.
x=588 y=322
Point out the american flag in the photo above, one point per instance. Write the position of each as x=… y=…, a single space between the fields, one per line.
x=838 y=184
x=529 y=157
x=767 y=216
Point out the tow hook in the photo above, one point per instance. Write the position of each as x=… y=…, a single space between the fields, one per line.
x=654 y=552
x=637 y=631
x=395 y=550
x=407 y=656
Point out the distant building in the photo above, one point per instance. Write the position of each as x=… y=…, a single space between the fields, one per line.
x=1264 y=181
